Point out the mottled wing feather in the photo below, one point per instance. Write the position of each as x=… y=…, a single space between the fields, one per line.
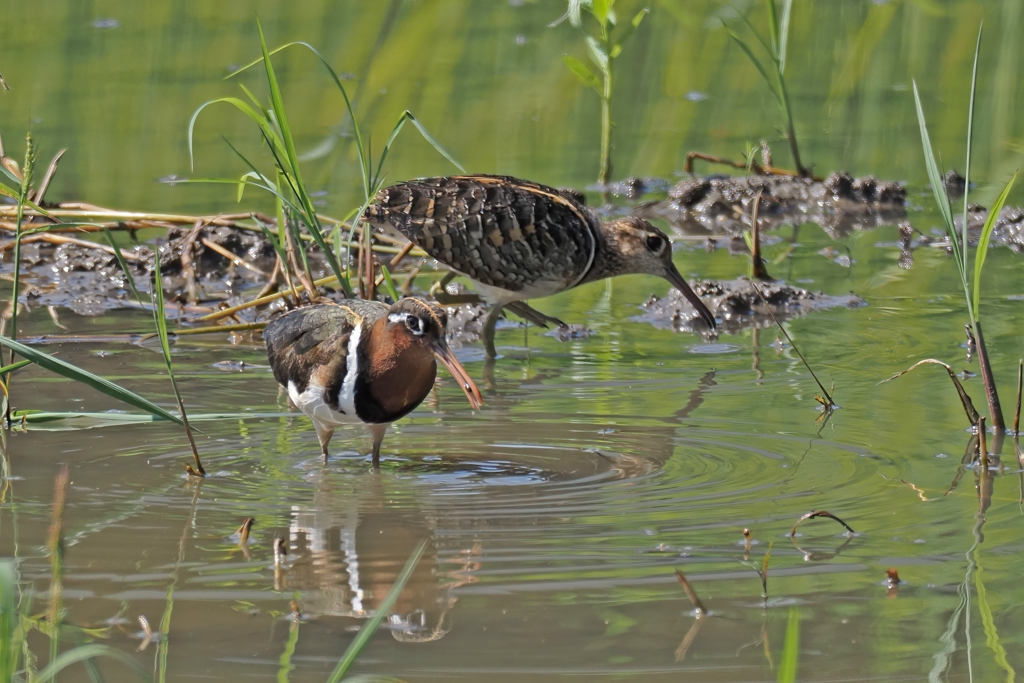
x=311 y=344
x=501 y=231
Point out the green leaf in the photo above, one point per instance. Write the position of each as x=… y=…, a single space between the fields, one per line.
x=773 y=28
x=942 y=200
x=597 y=53
x=124 y=264
x=371 y=625
x=967 y=165
x=639 y=17
x=787 y=8
x=755 y=62
x=390 y=283
x=743 y=18
x=986 y=237
x=790 y=647
x=408 y=116
x=65 y=369
x=600 y=9
x=85 y=652
x=582 y=73
x=14 y=366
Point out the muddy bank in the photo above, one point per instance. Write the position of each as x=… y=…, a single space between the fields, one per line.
x=737 y=305
x=722 y=205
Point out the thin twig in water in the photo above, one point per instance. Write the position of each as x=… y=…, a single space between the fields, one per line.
x=831 y=404
x=965 y=400
x=819 y=513
x=692 y=594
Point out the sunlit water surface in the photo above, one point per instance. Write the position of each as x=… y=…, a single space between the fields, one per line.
x=556 y=516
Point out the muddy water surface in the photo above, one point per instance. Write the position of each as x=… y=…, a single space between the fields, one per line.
x=554 y=517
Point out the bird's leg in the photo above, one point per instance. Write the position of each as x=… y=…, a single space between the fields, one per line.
x=324 y=433
x=527 y=312
x=378 y=431
x=492 y=320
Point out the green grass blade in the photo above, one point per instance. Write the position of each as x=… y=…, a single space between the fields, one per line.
x=243 y=107
x=86 y=652
x=790 y=648
x=967 y=164
x=750 y=26
x=165 y=347
x=371 y=625
x=773 y=29
x=14 y=366
x=10 y=636
x=291 y=170
x=985 y=238
x=760 y=69
x=390 y=283
x=124 y=264
x=65 y=369
x=787 y=9
x=408 y=116
x=942 y=200
x=364 y=167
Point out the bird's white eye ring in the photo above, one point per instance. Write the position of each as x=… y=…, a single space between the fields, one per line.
x=412 y=323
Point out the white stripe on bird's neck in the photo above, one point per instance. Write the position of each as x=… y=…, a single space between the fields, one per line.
x=347 y=393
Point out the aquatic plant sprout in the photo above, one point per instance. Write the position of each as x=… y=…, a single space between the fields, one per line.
x=778 y=26
x=602 y=49
x=958 y=239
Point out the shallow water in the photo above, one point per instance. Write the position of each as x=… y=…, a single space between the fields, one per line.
x=555 y=516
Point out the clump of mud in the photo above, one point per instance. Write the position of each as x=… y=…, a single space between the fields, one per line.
x=89 y=280
x=737 y=305
x=722 y=205
x=466 y=325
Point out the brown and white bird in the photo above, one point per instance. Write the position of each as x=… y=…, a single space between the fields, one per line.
x=362 y=362
x=518 y=240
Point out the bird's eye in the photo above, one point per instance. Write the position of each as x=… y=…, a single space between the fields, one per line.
x=415 y=325
x=655 y=243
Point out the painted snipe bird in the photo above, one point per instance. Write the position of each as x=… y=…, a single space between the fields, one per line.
x=518 y=240
x=362 y=362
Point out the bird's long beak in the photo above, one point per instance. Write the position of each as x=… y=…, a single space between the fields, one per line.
x=680 y=283
x=448 y=359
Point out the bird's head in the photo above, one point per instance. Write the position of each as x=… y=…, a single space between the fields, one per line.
x=640 y=248
x=423 y=322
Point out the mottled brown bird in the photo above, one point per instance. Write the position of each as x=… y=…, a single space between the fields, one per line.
x=518 y=240
x=362 y=362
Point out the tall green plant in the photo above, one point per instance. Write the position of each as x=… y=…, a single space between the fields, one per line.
x=774 y=74
x=958 y=238
x=604 y=45
x=24 y=190
x=290 y=189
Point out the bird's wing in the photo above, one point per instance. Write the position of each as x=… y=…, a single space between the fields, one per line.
x=501 y=231
x=311 y=343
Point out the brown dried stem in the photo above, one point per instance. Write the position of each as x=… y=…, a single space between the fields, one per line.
x=965 y=400
x=692 y=594
x=819 y=513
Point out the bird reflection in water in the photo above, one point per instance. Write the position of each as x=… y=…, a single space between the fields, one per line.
x=345 y=551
